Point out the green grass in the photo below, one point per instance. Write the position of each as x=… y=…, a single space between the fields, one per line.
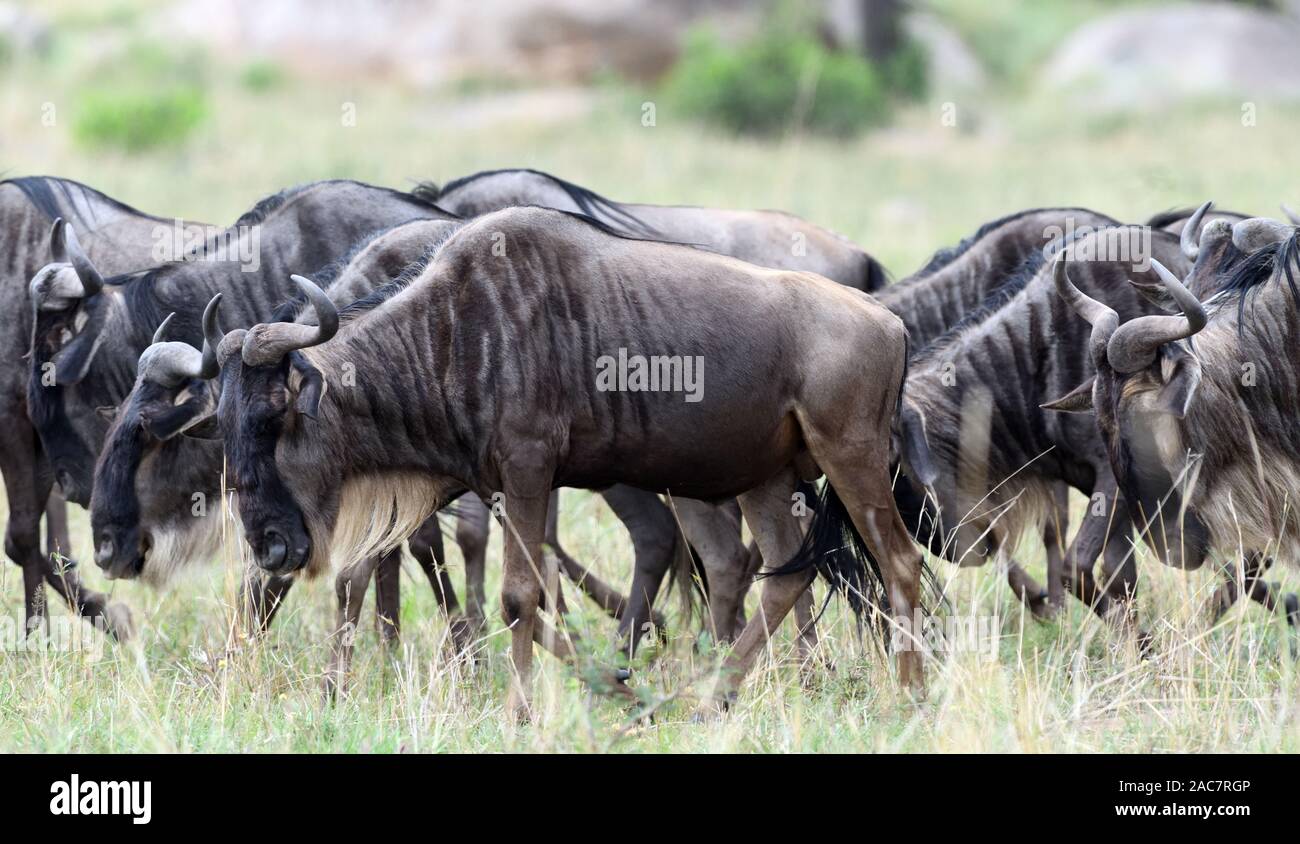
x=1069 y=685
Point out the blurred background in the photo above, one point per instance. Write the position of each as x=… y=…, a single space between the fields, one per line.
x=904 y=125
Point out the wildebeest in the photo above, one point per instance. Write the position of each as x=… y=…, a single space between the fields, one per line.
x=154 y=463
x=119 y=239
x=483 y=374
x=977 y=392
x=89 y=331
x=955 y=282
x=767 y=238
x=1197 y=410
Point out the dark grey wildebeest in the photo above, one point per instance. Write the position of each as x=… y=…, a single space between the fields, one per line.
x=154 y=461
x=483 y=373
x=89 y=332
x=120 y=239
x=977 y=394
x=1198 y=410
x=766 y=238
x=153 y=464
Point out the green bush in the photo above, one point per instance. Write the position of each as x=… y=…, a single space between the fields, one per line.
x=774 y=82
x=136 y=120
x=907 y=71
x=259 y=76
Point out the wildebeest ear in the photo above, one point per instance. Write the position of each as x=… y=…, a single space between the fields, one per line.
x=205 y=429
x=1180 y=385
x=1156 y=294
x=73 y=361
x=1078 y=400
x=916 y=451
x=311 y=388
x=181 y=418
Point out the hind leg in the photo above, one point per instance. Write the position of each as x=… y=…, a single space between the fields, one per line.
x=779 y=534
x=472 y=524
x=715 y=536
x=653 y=532
x=27 y=487
x=426 y=547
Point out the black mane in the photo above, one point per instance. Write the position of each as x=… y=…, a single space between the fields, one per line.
x=53 y=197
x=588 y=201
x=1247 y=273
x=946 y=255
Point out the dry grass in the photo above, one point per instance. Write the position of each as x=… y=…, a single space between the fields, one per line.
x=1069 y=685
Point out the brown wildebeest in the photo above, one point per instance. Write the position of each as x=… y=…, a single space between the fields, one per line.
x=491 y=372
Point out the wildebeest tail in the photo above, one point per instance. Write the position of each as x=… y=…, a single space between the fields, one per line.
x=837 y=551
x=876 y=276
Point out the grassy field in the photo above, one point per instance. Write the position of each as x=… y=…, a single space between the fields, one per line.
x=1069 y=685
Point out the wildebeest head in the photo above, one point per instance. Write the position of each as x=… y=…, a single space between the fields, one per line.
x=147 y=503
x=269 y=394
x=1145 y=380
x=71 y=307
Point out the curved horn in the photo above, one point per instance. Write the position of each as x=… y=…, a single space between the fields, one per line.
x=1291 y=214
x=1257 y=232
x=1099 y=315
x=58 y=251
x=161 y=333
x=1134 y=345
x=212 y=338
x=1190 y=237
x=91 y=281
x=267 y=343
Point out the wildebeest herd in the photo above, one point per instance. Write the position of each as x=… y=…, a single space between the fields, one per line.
x=347 y=360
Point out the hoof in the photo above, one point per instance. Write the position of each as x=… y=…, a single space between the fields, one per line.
x=1041 y=607
x=118 y=622
x=1292 y=604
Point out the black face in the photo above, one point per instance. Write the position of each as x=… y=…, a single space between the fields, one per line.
x=70 y=427
x=254 y=411
x=1129 y=429
x=145 y=431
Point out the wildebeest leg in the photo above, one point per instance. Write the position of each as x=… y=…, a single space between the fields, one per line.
x=653 y=531
x=1055 y=532
x=472 y=536
x=779 y=534
x=865 y=491
x=1103 y=519
x=715 y=535
x=57 y=538
x=606 y=597
x=426 y=547
x=1031 y=594
x=350 y=590
x=261 y=597
x=388 y=598
x=521 y=587
x=27 y=487
x=1252 y=584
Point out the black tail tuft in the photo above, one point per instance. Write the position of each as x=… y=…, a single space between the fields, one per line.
x=835 y=548
x=877 y=277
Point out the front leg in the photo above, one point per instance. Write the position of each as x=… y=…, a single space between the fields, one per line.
x=523 y=514
x=350 y=589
